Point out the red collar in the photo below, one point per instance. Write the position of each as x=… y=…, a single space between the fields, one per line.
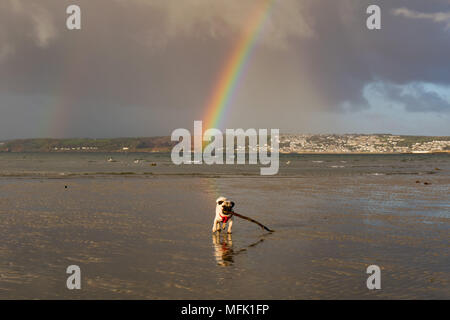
x=225 y=218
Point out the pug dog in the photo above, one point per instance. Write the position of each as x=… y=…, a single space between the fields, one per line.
x=224 y=214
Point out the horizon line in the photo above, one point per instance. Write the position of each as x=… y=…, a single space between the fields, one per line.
x=165 y=136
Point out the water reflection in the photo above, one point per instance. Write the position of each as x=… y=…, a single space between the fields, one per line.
x=224 y=251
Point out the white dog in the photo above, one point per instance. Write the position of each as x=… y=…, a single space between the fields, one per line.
x=224 y=208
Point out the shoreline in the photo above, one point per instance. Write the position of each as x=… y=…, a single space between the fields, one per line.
x=129 y=242
x=283 y=153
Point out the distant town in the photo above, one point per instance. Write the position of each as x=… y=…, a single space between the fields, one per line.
x=288 y=143
x=362 y=143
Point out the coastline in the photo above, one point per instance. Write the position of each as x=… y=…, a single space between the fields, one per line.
x=284 y=153
x=287 y=143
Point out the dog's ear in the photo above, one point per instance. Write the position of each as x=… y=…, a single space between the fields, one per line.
x=220 y=202
x=232 y=204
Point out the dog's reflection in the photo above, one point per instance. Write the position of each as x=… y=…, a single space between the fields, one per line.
x=224 y=251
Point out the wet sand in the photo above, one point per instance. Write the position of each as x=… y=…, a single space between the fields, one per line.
x=150 y=237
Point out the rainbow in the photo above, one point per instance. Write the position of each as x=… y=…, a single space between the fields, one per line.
x=234 y=67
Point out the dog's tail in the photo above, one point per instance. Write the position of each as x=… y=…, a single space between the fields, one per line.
x=252 y=220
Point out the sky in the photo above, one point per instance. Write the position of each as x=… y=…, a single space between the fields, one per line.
x=147 y=67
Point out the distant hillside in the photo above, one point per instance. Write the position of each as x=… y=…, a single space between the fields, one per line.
x=362 y=143
x=289 y=143
x=153 y=144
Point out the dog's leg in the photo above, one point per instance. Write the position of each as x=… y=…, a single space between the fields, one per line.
x=230 y=224
x=214 y=228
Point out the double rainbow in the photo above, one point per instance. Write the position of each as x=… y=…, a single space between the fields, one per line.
x=234 y=67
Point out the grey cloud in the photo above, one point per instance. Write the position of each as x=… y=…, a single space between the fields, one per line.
x=440 y=17
x=415 y=97
x=219 y=19
x=159 y=60
x=345 y=56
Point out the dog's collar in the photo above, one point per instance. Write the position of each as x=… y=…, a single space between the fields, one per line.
x=226 y=218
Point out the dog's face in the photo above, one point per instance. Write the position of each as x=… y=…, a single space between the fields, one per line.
x=225 y=205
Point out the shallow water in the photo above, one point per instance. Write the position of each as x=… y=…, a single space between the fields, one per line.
x=60 y=165
x=144 y=232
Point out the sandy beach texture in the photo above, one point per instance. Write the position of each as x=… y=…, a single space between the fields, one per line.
x=149 y=237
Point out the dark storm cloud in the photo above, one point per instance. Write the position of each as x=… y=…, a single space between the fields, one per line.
x=158 y=60
x=111 y=60
x=344 y=57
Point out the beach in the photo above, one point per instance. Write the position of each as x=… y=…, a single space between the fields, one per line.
x=143 y=231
